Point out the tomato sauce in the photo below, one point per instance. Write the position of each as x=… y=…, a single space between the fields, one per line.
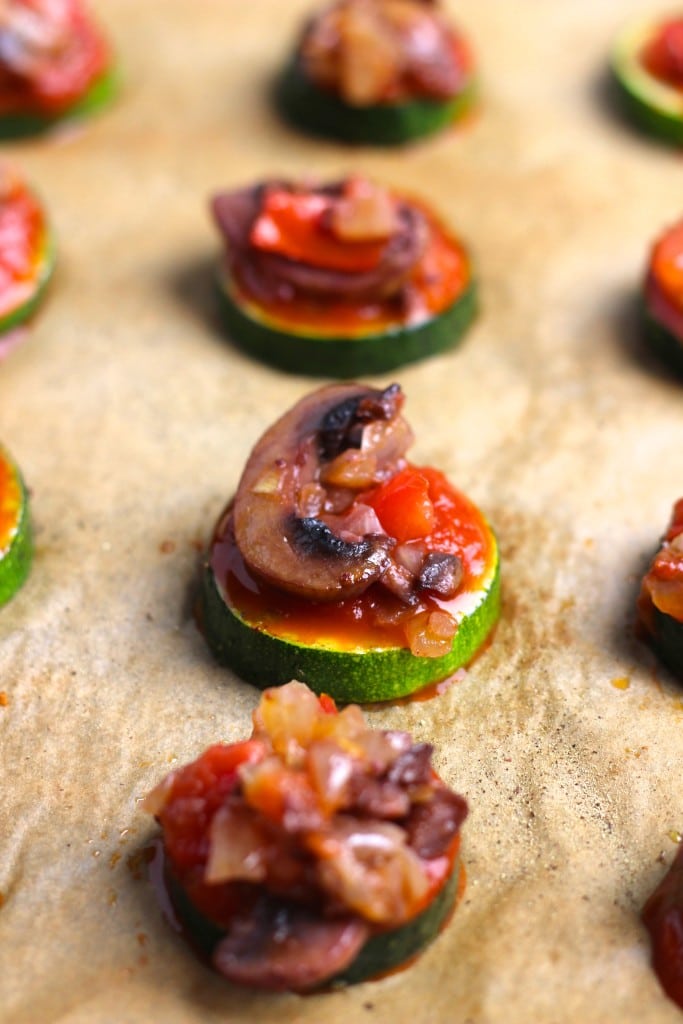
x=60 y=78
x=374 y=619
x=10 y=503
x=23 y=240
x=662 y=57
x=439 y=278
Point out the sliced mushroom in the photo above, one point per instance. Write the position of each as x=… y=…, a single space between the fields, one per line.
x=280 y=946
x=301 y=554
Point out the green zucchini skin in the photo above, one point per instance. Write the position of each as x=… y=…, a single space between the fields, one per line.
x=650 y=106
x=362 y=677
x=381 y=953
x=667 y=641
x=347 y=356
x=663 y=343
x=653 y=120
x=322 y=113
x=100 y=93
x=26 y=310
x=15 y=564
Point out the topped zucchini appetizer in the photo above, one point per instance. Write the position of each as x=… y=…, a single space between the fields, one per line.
x=54 y=64
x=341 y=564
x=663 y=297
x=647 y=62
x=378 y=72
x=660 y=604
x=318 y=852
x=26 y=251
x=339 y=280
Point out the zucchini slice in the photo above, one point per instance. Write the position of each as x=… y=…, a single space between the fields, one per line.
x=16 y=545
x=653 y=105
x=98 y=95
x=339 y=356
x=348 y=675
x=665 y=344
x=382 y=953
x=309 y=108
x=26 y=292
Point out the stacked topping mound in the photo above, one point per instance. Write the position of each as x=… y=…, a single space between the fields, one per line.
x=384 y=51
x=318 y=850
x=336 y=542
x=309 y=270
x=51 y=55
x=26 y=257
x=660 y=604
x=664 y=296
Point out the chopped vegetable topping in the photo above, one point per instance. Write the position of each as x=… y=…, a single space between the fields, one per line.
x=663 y=54
x=384 y=51
x=662 y=586
x=51 y=52
x=333 y=830
x=23 y=242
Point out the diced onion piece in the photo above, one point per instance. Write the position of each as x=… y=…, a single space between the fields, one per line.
x=268 y=482
x=365 y=213
x=351 y=468
x=288 y=715
x=369 y=867
x=156 y=799
x=236 y=849
x=388 y=440
x=369 y=56
x=430 y=634
x=330 y=769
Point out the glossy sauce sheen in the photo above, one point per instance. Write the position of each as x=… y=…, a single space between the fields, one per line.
x=438 y=280
x=10 y=503
x=663 y=55
x=461 y=530
x=23 y=240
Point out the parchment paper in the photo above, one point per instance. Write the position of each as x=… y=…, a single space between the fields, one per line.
x=132 y=415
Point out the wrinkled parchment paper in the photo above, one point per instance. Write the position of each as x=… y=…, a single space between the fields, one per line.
x=132 y=415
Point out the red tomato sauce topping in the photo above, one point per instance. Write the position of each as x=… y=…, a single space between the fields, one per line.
x=438 y=279
x=663 y=583
x=417 y=503
x=663 y=55
x=23 y=238
x=57 y=53
x=10 y=503
x=666 y=266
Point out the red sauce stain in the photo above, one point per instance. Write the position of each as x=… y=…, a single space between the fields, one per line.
x=167 y=547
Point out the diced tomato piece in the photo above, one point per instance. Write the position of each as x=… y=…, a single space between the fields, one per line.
x=292 y=224
x=198 y=790
x=404 y=507
x=666 y=265
x=327 y=704
x=663 y=55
